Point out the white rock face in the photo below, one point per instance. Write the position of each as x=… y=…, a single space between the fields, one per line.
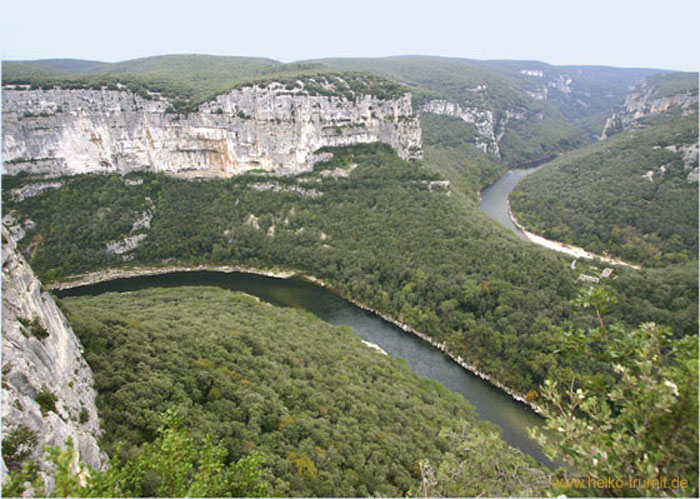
x=690 y=160
x=481 y=118
x=538 y=73
x=562 y=83
x=642 y=102
x=125 y=245
x=272 y=128
x=31 y=365
x=31 y=190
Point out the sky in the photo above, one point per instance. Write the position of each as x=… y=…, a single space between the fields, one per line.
x=623 y=33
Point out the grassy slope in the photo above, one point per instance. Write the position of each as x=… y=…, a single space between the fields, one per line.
x=191 y=79
x=331 y=416
x=597 y=197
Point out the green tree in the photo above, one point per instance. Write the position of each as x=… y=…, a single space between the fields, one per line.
x=467 y=470
x=599 y=299
x=174 y=465
x=640 y=422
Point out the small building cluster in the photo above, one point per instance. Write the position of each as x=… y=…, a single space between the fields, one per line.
x=606 y=273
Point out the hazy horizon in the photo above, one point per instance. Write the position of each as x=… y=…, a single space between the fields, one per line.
x=617 y=34
x=331 y=57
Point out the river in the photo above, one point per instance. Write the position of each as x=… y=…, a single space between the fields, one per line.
x=491 y=403
x=494 y=198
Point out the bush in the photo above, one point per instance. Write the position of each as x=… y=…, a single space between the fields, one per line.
x=18 y=446
x=46 y=400
x=37 y=330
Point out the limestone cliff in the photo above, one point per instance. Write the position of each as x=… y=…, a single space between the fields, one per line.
x=653 y=96
x=481 y=118
x=490 y=125
x=47 y=387
x=269 y=126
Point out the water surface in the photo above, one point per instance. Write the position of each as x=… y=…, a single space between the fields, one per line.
x=494 y=197
x=491 y=403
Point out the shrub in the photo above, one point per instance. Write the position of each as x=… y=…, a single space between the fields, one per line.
x=37 y=330
x=46 y=400
x=18 y=446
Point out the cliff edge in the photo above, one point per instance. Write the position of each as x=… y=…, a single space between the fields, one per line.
x=47 y=386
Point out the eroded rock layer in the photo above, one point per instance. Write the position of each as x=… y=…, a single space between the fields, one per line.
x=271 y=127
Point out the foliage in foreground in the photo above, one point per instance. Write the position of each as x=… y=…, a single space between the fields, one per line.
x=638 y=420
x=465 y=471
x=173 y=465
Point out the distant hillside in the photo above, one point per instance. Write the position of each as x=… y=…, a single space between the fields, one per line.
x=660 y=98
x=512 y=125
x=578 y=92
x=181 y=66
x=187 y=79
x=634 y=195
x=71 y=65
x=523 y=110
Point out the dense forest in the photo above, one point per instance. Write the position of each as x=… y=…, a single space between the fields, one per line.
x=283 y=404
x=629 y=196
x=327 y=415
x=388 y=236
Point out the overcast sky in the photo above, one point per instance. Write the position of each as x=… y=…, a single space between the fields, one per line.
x=659 y=34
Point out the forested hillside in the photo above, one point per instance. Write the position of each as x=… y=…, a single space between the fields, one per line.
x=634 y=195
x=328 y=415
x=391 y=235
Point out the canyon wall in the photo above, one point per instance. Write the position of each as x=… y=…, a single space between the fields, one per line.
x=649 y=98
x=273 y=127
x=47 y=386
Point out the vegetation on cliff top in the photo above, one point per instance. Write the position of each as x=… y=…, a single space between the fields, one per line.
x=638 y=427
x=189 y=80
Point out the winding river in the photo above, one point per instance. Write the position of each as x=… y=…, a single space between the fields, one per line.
x=491 y=403
x=494 y=198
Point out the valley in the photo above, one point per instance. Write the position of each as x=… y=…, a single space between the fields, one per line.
x=490 y=403
x=379 y=180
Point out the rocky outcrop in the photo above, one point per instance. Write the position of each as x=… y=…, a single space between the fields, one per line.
x=273 y=126
x=689 y=155
x=675 y=94
x=648 y=99
x=30 y=190
x=47 y=387
x=482 y=119
x=490 y=125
